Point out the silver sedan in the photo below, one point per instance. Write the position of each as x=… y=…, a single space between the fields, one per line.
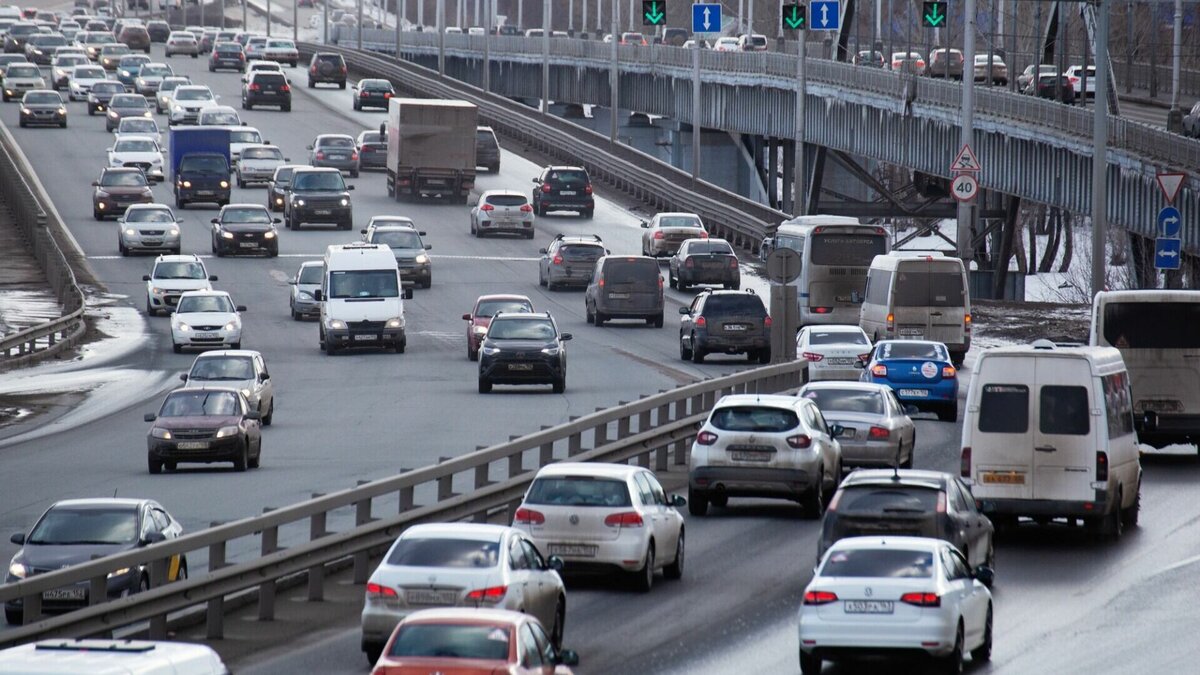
x=148 y=227
x=878 y=431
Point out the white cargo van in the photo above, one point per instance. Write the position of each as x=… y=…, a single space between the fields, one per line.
x=1158 y=335
x=362 y=299
x=110 y=657
x=1048 y=433
x=918 y=295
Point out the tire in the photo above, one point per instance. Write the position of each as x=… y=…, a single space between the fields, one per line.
x=241 y=183
x=814 y=500
x=1114 y=523
x=588 y=214
x=560 y=385
x=685 y=352
x=97 y=215
x=697 y=503
x=719 y=500
x=983 y=653
x=600 y=318
x=178 y=348
x=810 y=664
x=658 y=320
x=643 y=579
x=170 y=466
x=1130 y=515
x=948 y=413
x=255 y=461
x=373 y=652
x=150 y=311
x=286 y=108
x=560 y=622
x=270 y=416
x=357 y=105
x=764 y=356
x=953 y=663
x=121 y=247
x=675 y=569
x=155 y=466
x=236 y=345
x=472 y=355
x=908 y=463
x=240 y=462
x=401 y=346
x=697 y=351
x=341 y=85
x=485 y=385
x=354 y=174
x=588 y=316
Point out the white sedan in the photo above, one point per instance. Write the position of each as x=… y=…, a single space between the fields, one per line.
x=257 y=164
x=82 y=79
x=605 y=517
x=896 y=595
x=139 y=126
x=206 y=319
x=137 y=151
x=726 y=44
x=832 y=352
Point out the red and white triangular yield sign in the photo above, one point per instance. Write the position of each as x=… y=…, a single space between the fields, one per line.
x=966 y=161
x=1170 y=183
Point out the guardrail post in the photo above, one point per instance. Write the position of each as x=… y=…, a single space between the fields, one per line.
x=623 y=425
x=98 y=590
x=574 y=444
x=158 y=577
x=406 y=496
x=31 y=607
x=545 y=454
x=316 y=583
x=600 y=435
x=214 y=616
x=644 y=421
x=362 y=559
x=266 y=590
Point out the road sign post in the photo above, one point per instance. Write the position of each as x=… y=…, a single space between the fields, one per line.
x=654 y=12
x=783 y=267
x=1168 y=248
x=706 y=17
x=826 y=15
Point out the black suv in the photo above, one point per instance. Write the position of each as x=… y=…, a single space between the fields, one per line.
x=327 y=68
x=264 y=88
x=318 y=195
x=563 y=188
x=487 y=149
x=569 y=260
x=158 y=30
x=523 y=348
x=729 y=322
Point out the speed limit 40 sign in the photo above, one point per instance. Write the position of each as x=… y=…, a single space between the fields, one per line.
x=965 y=187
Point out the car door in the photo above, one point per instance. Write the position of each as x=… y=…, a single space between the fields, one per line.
x=961 y=526
x=170 y=530
x=653 y=511
x=546 y=647
x=831 y=450
x=980 y=527
x=542 y=600
x=530 y=659
x=1063 y=435
x=519 y=574
x=671 y=518
x=973 y=597
x=266 y=389
x=688 y=321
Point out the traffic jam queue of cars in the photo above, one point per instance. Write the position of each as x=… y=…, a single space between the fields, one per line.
x=906 y=557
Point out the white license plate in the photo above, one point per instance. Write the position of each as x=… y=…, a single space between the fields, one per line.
x=204 y=193
x=207 y=336
x=870 y=607
x=735 y=326
x=840 y=362
x=912 y=332
x=249 y=244
x=749 y=456
x=365 y=338
x=914 y=393
x=520 y=366
x=64 y=594
x=618 y=296
x=423 y=597
x=322 y=212
x=567 y=193
x=337 y=157
x=193 y=445
x=577 y=550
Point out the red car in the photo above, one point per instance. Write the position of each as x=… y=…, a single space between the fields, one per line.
x=479 y=318
x=469 y=641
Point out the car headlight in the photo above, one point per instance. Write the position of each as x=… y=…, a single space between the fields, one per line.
x=551 y=351
x=227 y=235
x=279 y=200
x=397 y=322
x=158 y=432
x=305 y=295
x=112 y=114
x=337 y=324
x=226 y=432
x=178 y=108
x=233 y=325
x=183 y=327
x=421 y=259
x=187 y=183
x=269 y=235
x=224 y=184
x=125 y=73
x=129 y=231
x=157 y=291
x=299 y=202
x=345 y=202
x=173 y=232
x=147 y=114
x=25 y=111
x=62 y=111
x=478 y=330
x=118 y=573
x=490 y=351
x=17 y=570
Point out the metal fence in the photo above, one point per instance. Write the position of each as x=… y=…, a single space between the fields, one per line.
x=33 y=218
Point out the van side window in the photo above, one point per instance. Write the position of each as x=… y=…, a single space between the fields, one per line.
x=1118 y=404
x=878 y=283
x=1004 y=409
x=1064 y=410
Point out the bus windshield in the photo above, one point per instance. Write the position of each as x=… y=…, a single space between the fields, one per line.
x=1152 y=325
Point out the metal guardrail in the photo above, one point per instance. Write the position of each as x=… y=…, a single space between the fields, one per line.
x=655 y=430
x=51 y=337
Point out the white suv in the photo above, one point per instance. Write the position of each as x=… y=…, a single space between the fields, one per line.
x=171 y=277
x=764 y=446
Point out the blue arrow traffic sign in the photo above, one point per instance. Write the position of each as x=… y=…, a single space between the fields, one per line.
x=825 y=15
x=1169 y=222
x=1166 y=253
x=706 y=17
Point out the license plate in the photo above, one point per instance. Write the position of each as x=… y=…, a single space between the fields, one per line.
x=913 y=332
x=64 y=594
x=204 y=193
x=337 y=157
x=735 y=326
x=423 y=597
x=870 y=607
x=749 y=456
x=840 y=362
x=567 y=193
x=365 y=338
x=322 y=212
x=577 y=550
x=248 y=244
x=152 y=242
x=520 y=366
x=1003 y=477
x=618 y=296
x=193 y=445
x=207 y=336
x=914 y=393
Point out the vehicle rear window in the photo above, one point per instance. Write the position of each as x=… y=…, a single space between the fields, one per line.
x=452 y=641
x=847 y=250
x=372 y=137
x=262 y=153
x=679 y=221
x=578 y=491
x=438 y=552
x=929 y=289
x=846 y=400
x=490 y=308
x=1063 y=410
x=838 y=337
x=912 y=350
x=335 y=142
x=485 y=137
x=568 y=176
x=710 y=248
x=632 y=271
x=740 y=304
x=270 y=78
x=754 y=418
x=1004 y=409
x=507 y=200
x=1152 y=325
x=578 y=252
x=886 y=563
x=880 y=499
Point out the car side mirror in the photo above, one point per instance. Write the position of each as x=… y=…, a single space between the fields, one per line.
x=685 y=310
x=408 y=294
x=254 y=415
x=18 y=539
x=555 y=563
x=362 y=232
x=183 y=377
x=149 y=417
x=1150 y=421
x=214 y=221
x=836 y=430
x=568 y=657
x=109 y=149
x=349 y=187
x=428 y=247
x=152 y=538
x=984 y=575
x=292 y=282
x=678 y=501
x=855 y=298
x=308 y=147
x=145 y=277
x=276 y=221
x=542 y=251
x=565 y=337
x=95 y=183
x=240 y=308
x=318 y=295
x=860 y=364
x=536 y=181
x=212 y=277
x=263 y=377
x=287 y=159
x=645 y=225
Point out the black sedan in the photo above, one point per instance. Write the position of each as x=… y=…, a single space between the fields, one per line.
x=523 y=348
x=245 y=228
x=372 y=150
x=101 y=94
x=43 y=107
x=278 y=188
x=204 y=425
x=76 y=531
x=372 y=93
x=704 y=261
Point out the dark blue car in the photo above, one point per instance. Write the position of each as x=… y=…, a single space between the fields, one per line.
x=919 y=371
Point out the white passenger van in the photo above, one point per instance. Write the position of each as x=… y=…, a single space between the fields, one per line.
x=1158 y=335
x=835 y=252
x=362 y=299
x=1048 y=433
x=110 y=657
x=918 y=295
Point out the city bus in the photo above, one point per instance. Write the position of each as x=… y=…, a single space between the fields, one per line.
x=1158 y=335
x=835 y=253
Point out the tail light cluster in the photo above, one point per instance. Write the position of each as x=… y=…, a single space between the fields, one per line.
x=658 y=234
x=879 y=433
x=819 y=597
x=922 y=599
x=489 y=594
x=529 y=517
x=526 y=208
x=891 y=323
x=821 y=310
x=799 y=441
x=546 y=188
x=624 y=519
x=879 y=370
x=949 y=373
x=587 y=189
x=377 y=591
x=965 y=463
x=285 y=88
x=967 y=324
x=320 y=155
x=254 y=87
x=487 y=208
x=706 y=438
x=941 y=502
x=733 y=263
x=558 y=259
x=813 y=357
x=701 y=322
x=1101 y=466
x=767 y=322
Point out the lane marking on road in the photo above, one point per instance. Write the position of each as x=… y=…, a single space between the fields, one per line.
x=493 y=258
x=1182 y=563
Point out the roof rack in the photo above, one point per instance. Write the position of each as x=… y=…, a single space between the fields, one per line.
x=560 y=236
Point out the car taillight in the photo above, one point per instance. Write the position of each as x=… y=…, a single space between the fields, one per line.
x=948 y=372
x=895 y=65
x=343 y=70
x=813 y=356
x=387 y=94
x=525 y=208
x=546 y=187
x=354 y=155
x=879 y=370
x=1101 y=466
x=624 y=519
x=320 y=155
x=967 y=323
x=706 y=438
x=377 y=591
x=525 y=516
x=733 y=263
x=660 y=283
x=920 y=63
x=922 y=599
x=313 y=70
x=688 y=263
x=833 y=503
x=964 y=468
x=891 y=323
x=658 y=234
x=701 y=322
x=799 y=441
x=587 y=189
x=819 y=597
x=364 y=94
x=254 y=87
x=703 y=235
x=487 y=208
x=767 y=322
x=557 y=260
x=285 y=88
x=941 y=503
x=489 y=594
x=864 y=357
x=879 y=432
x=822 y=310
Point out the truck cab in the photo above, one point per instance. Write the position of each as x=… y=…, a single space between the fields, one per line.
x=200 y=165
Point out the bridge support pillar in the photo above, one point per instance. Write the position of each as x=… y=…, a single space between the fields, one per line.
x=773 y=172
x=789 y=172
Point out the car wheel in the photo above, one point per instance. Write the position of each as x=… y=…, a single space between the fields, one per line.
x=697 y=503
x=178 y=348
x=588 y=316
x=764 y=356
x=373 y=652
x=255 y=461
x=983 y=653
x=814 y=500
x=243 y=458
x=155 y=466
x=241 y=183
x=588 y=214
x=485 y=385
x=472 y=355
x=658 y=320
x=685 y=352
x=1130 y=515
x=357 y=105
x=952 y=664
x=810 y=664
x=401 y=346
x=560 y=622
x=600 y=318
x=697 y=351
x=266 y=419
x=560 y=384
x=287 y=108
x=675 y=569
x=97 y=215
x=1113 y=525
x=908 y=461
x=643 y=579
x=354 y=174
x=948 y=413
x=121 y=247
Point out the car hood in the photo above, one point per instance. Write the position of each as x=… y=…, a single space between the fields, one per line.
x=317 y=194
x=124 y=189
x=520 y=345
x=197 y=422
x=136 y=156
x=231 y=384
x=247 y=227
x=55 y=556
x=422 y=665
x=363 y=310
x=204 y=318
x=43 y=106
x=24 y=80
x=407 y=253
x=181 y=284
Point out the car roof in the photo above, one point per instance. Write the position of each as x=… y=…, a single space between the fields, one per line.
x=502 y=193
x=521 y=316
x=227 y=352
x=328 y=136
x=396 y=227
x=598 y=469
x=121 y=169
x=906 y=477
x=244 y=205
x=905 y=543
x=676 y=214
x=134 y=137
x=912 y=342
x=314 y=169
x=837 y=327
x=852 y=385
x=503 y=296
x=467 y=615
x=99 y=502
x=762 y=400
x=186 y=257
x=556 y=167
x=456 y=530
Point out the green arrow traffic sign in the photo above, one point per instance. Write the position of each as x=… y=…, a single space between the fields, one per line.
x=794 y=16
x=654 y=12
x=934 y=15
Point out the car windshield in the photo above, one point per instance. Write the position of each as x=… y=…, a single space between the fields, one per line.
x=489 y=308
x=138 y=124
x=364 y=284
x=149 y=216
x=135 y=145
x=397 y=239
x=281 y=44
x=445 y=552
x=742 y=304
x=324 y=180
x=258 y=215
x=200 y=404
x=846 y=400
x=837 y=337
x=222 y=368
x=205 y=303
x=710 y=248
x=522 y=329
x=101 y=39
x=179 y=270
x=578 y=491
x=22 y=70
x=335 y=142
x=155 y=71
x=132 y=61
x=193 y=95
x=205 y=164
x=237 y=136
x=123 y=179
x=114 y=50
x=311 y=274
x=884 y=499
x=754 y=418
x=170 y=85
x=90 y=73
x=66 y=526
x=452 y=641
x=372 y=137
x=262 y=153
x=42 y=98
x=130 y=101
x=879 y=563
x=107 y=87
x=912 y=350
x=283 y=177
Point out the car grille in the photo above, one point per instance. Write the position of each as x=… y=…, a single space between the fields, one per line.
x=310 y=203
x=153 y=233
x=125 y=198
x=204 y=329
x=365 y=326
x=192 y=434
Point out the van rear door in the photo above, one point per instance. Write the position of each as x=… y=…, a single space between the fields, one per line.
x=1064 y=437
x=631 y=286
x=930 y=301
x=1002 y=441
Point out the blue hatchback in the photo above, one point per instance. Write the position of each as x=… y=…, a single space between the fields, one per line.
x=919 y=371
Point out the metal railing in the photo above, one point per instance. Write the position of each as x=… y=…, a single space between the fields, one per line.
x=30 y=214
x=653 y=431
